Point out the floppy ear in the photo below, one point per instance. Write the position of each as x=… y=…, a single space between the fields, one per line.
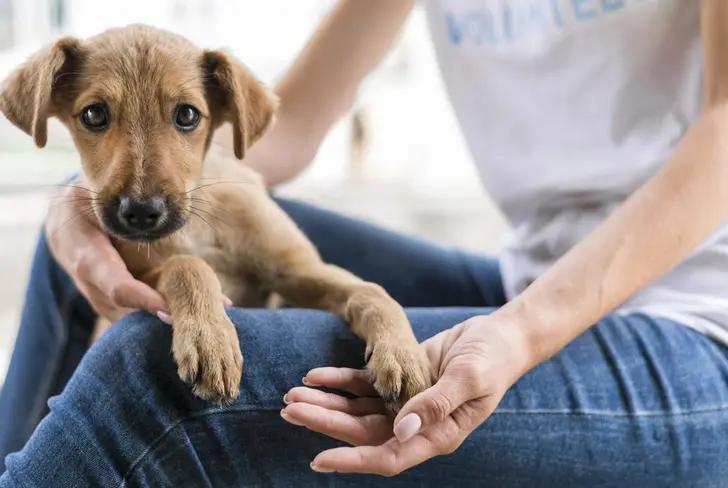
x=236 y=96
x=31 y=93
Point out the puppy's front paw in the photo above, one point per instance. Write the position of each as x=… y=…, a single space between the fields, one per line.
x=208 y=357
x=399 y=371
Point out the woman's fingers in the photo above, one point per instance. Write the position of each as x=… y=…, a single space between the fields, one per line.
x=352 y=406
x=133 y=294
x=95 y=265
x=101 y=267
x=353 y=420
x=354 y=381
x=394 y=456
x=368 y=429
x=389 y=459
x=433 y=405
x=101 y=303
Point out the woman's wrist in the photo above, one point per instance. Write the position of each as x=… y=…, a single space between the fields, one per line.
x=510 y=339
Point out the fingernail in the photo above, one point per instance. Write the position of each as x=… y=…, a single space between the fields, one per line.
x=407 y=427
x=285 y=399
x=288 y=418
x=308 y=383
x=319 y=469
x=164 y=317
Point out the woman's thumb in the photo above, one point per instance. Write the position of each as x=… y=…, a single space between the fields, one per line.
x=130 y=293
x=430 y=407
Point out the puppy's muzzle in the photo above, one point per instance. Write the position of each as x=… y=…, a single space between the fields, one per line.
x=143 y=214
x=141 y=217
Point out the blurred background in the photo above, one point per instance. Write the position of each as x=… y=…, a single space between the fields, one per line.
x=397 y=158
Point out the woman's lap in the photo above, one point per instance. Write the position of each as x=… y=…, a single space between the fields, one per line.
x=633 y=398
x=57 y=322
x=604 y=412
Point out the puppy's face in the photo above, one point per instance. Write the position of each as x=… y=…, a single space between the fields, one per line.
x=141 y=105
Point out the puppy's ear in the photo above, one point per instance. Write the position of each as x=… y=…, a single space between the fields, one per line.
x=32 y=93
x=236 y=96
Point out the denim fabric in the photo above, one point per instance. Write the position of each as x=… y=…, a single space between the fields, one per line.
x=634 y=401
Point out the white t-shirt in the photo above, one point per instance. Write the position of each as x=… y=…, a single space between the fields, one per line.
x=568 y=106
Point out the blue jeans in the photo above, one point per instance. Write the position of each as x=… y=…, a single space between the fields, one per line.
x=634 y=401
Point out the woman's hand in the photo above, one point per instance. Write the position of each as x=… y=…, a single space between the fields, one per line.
x=85 y=252
x=477 y=361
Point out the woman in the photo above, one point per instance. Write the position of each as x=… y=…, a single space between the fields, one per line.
x=597 y=351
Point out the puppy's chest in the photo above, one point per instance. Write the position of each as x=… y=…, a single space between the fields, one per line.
x=238 y=280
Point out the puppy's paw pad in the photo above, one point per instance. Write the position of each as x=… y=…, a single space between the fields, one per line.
x=208 y=357
x=398 y=373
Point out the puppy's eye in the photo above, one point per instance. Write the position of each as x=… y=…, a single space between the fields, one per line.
x=186 y=117
x=95 y=117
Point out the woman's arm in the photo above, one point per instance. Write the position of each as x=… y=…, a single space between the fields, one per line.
x=321 y=84
x=655 y=229
x=478 y=360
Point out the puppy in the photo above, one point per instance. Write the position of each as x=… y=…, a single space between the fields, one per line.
x=142 y=105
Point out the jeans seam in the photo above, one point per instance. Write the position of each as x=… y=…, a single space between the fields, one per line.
x=607 y=413
x=201 y=414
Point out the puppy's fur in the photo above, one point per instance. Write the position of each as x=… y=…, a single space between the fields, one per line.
x=240 y=243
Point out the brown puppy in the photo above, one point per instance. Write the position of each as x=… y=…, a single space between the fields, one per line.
x=142 y=105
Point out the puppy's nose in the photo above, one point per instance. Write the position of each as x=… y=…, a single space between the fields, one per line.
x=142 y=214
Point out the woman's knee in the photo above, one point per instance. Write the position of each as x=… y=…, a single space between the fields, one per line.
x=279 y=346
x=131 y=357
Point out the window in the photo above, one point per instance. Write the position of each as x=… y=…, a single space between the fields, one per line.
x=58 y=15
x=6 y=24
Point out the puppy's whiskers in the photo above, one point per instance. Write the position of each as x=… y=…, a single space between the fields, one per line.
x=85 y=212
x=202 y=201
x=248 y=181
x=221 y=182
x=69 y=185
x=194 y=211
x=58 y=199
x=209 y=214
x=72 y=198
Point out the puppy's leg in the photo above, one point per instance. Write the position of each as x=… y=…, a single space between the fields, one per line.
x=264 y=238
x=204 y=342
x=398 y=367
